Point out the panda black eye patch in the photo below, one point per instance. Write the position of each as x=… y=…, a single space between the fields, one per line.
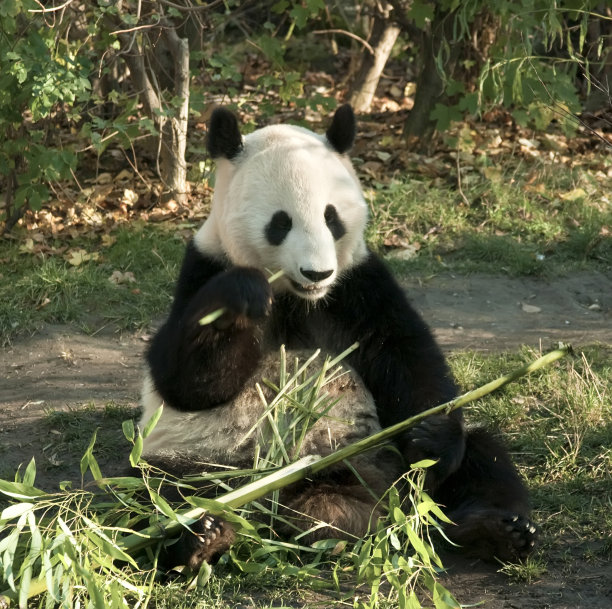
x=278 y=227
x=335 y=225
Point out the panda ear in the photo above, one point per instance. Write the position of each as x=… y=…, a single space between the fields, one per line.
x=341 y=133
x=223 y=138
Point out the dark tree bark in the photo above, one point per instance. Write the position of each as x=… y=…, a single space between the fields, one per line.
x=600 y=77
x=430 y=87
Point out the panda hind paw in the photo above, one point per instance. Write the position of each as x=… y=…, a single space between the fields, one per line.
x=208 y=540
x=521 y=535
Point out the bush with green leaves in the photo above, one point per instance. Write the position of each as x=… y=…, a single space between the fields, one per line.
x=525 y=55
x=39 y=75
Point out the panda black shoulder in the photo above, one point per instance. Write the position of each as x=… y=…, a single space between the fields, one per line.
x=197 y=268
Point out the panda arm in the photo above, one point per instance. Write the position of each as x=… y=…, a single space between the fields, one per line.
x=398 y=360
x=197 y=366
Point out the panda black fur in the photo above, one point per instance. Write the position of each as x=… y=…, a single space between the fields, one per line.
x=288 y=199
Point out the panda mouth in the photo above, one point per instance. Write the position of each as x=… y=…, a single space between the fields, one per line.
x=310 y=291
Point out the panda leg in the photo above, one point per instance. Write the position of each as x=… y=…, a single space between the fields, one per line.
x=488 y=503
x=334 y=504
x=207 y=539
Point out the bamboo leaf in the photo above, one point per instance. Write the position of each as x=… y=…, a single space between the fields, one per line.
x=14 y=511
x=429 y=505
x=9 y=546
x=418 y=544
x=25 y=577
x=128 y=430
x=152 y=422
x=442 y=598
x=105 y=543
x=95 y=594
x=211 y=317
x=136 y=452
x=47 y=569
x=203 y=575
x=162 y=505
x=19 y=490
x=88 y=461
x=29 y=476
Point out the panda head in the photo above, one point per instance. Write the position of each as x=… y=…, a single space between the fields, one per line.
x=286 y=199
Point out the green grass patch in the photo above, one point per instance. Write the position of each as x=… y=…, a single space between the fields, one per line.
x=43 y=288
x=505 y=225
x=71 y=430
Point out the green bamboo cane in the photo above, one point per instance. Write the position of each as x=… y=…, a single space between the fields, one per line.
x=302 y=468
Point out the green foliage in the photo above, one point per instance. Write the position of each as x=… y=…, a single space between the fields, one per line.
x=36 y=75
x=71 y=546
x=399 y=561
x=529 y=60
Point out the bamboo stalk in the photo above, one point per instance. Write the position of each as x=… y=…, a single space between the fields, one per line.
x=302 y=468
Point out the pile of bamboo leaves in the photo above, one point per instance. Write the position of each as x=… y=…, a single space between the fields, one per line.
x=99 y=546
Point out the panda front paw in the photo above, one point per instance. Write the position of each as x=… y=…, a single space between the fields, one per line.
x=209 y=538
x=242 y=293
x=440 y=438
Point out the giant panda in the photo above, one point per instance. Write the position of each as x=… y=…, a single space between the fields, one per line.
x=288 y=199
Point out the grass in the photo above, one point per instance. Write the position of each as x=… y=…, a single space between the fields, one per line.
x=74 y=428
x=506 y=225
x=558 y=424
x=37 y=289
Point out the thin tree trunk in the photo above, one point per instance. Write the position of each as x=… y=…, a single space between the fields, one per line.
x=384 y=35
x=429 y=89
x=172 y=129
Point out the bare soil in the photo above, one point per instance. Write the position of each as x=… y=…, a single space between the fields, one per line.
x=59 y=369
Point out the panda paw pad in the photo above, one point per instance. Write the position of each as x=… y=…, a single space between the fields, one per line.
x=521 y=534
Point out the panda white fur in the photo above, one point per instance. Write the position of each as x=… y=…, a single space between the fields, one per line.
x=287 y=199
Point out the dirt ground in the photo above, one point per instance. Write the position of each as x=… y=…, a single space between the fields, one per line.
x=59 y=369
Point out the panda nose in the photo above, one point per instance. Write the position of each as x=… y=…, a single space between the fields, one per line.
x=316 y=275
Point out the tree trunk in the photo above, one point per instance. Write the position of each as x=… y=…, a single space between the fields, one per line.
x=429 y=84
x=172 y=126
x=384 y=35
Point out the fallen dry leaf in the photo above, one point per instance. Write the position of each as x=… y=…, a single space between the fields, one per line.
x=119 y=278
x=527 y=308
x=77 y=257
